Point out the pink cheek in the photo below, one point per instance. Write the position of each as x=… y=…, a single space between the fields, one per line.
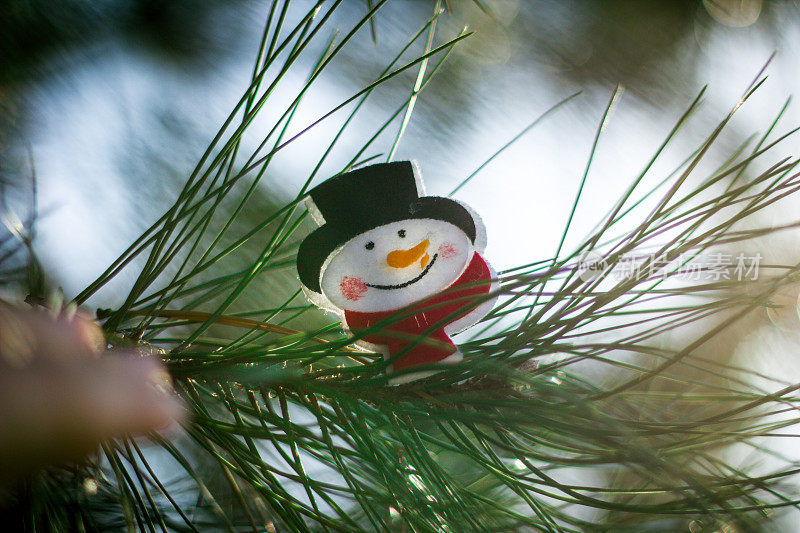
x=446 y=250
x=352 y=288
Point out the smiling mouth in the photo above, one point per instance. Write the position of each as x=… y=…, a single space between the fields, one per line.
x=409 y=282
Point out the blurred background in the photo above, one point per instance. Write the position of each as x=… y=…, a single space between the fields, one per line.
x=111 y=104
x=106 y=107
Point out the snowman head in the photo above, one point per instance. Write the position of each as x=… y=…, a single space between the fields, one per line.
x=382 y=244
x=396 y=264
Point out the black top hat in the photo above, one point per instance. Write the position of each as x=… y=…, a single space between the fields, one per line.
x=366 y=198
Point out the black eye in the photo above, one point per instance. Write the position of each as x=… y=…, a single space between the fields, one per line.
x=370 y=245
x=401 y=233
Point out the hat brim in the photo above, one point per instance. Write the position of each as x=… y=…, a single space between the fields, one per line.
x=323 y=241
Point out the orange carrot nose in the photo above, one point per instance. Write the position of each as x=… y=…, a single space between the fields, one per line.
x=404 y=258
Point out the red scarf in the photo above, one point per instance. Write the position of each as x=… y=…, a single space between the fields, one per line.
x=437 y=345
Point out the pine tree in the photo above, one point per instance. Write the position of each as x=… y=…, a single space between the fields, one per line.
x=293 y=429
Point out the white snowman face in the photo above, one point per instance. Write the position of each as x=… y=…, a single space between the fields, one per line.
x=395 y=265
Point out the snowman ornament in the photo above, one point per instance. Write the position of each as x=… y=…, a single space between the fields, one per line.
x=403 y=271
